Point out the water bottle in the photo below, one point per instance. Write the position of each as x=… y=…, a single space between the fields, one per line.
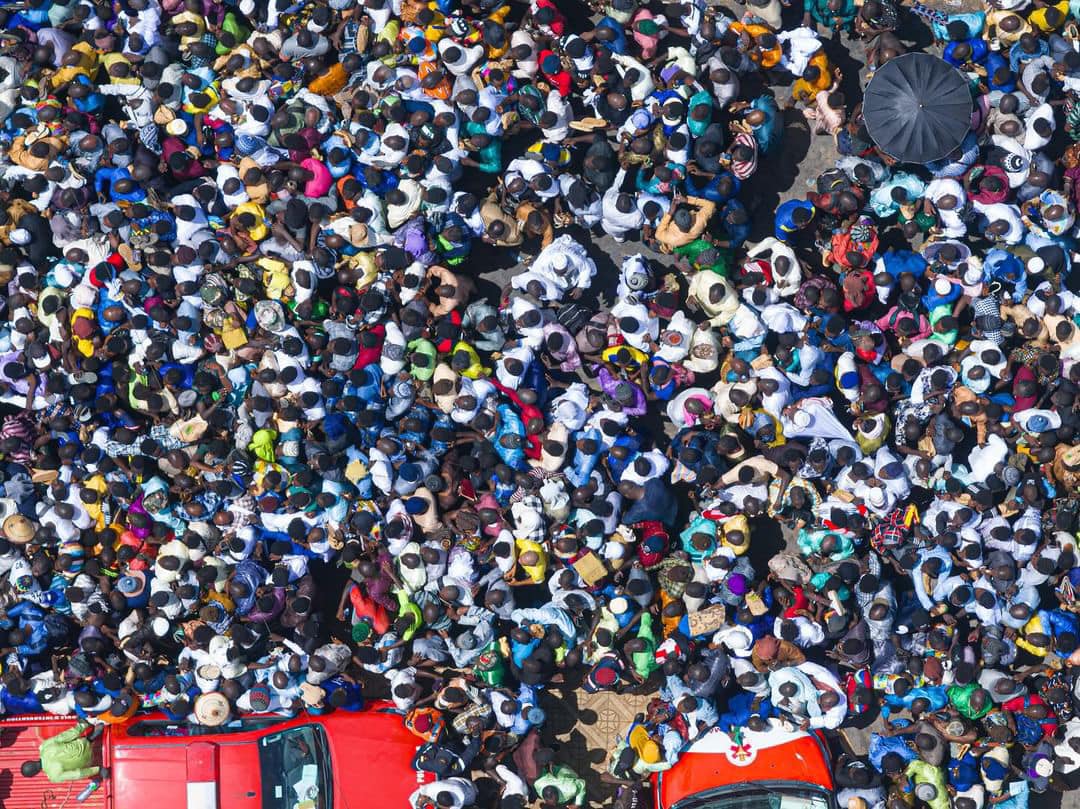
x=88 y=790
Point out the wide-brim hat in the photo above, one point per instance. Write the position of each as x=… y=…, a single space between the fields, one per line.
x=212 y=710
x=133 y=584
x=18 y=529
x=1039 y=422
x=270 y=316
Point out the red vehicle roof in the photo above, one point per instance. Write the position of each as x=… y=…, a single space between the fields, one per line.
x=716 y=760
x=371 y=759
x=20 y=738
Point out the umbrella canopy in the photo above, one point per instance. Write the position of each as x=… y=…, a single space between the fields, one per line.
x=917 y=108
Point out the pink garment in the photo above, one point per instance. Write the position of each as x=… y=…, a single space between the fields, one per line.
x=692 y=418
x=488 y=501
x=1022 y=403
x=647 y=43
x=823 y=119
x=567 y=357
x=320 y=184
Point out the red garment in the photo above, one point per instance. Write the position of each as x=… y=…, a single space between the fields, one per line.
x=652 y=528
x=446 y=346
x=195 y=169
x=801 y=603
x=141 y=548
x=985 y=197
x=364 y=607
x=533 y=448
x=758 y=265
x=1022 y=403
x=859 y=289
x=842 y=244
x=560 y=79
x=1074 y=175
x=115 y=260
x=371 y=356
x=558 y=24
x=1017 y=704
x=866 y=378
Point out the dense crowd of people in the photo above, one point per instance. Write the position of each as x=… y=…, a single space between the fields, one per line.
x=272 y=441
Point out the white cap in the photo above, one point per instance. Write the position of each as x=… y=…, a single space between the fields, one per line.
x=63 y=276
x=942 y=286
x=1035 y=265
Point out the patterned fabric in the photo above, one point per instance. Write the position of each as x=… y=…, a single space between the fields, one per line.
x=159 y=433
x=21 y=427
x=889 y=533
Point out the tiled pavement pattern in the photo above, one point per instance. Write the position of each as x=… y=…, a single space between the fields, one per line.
x=586 y=727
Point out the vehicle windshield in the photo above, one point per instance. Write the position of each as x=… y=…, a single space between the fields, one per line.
x=295 y=767
x=760 y=796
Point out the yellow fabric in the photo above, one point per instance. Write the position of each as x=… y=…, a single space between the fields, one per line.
x=538 y=571
x=84 y=346
x=276 y=279
x=647 y=750
x=476 y=368
x=262 y=444
x=1038 y=17
x=260 y=231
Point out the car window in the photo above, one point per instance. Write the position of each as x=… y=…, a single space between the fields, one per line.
x=295 y=767
x=165 y=727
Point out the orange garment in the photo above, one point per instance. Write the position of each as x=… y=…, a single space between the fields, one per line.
x=347 y=204
x=804 y=91
x=443 y=89
x=669 y=624
x=109 y=718
x=331 y=82
x=364 y=607
x=765 y=57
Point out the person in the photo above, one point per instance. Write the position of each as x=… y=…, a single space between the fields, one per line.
x=67 y=756
x=447 y=358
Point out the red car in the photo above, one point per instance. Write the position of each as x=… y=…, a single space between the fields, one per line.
x=342 y=760
x=772 y=769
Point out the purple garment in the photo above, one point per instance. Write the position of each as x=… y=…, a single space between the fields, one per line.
x=279 y=604
x=412 y=238
x=669 y=72
x=90 y=632
x=379 y=586
x=609 y=383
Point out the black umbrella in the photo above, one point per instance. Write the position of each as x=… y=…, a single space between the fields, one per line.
x=917 y=108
